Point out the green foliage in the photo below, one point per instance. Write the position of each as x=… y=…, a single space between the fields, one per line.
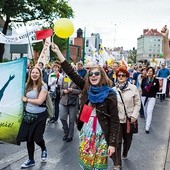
x=59 y=41
x=161 y=55
x=5 y=60
x=38 y=46
x=28 y=10
x=62 y=44
x=132 y=56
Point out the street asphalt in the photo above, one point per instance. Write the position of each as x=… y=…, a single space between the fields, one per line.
x=148 y=151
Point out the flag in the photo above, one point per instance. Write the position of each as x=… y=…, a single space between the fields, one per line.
x=124 y=62
x=45 y=56
x=12 y=86
x=43 y=34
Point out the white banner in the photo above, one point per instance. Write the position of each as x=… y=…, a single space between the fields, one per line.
x=45 y=53
x=24 y=38
x=162 y=85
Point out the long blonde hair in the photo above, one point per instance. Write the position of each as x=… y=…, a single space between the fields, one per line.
x=104 y=80
x=39 y=82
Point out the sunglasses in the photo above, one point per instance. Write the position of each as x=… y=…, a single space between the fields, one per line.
x=121 y=75
x=97 y=73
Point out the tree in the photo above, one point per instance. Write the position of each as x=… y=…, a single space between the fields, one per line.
x=27 y=10
x=132 y=56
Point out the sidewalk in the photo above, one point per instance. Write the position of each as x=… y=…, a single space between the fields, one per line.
x=167 y=161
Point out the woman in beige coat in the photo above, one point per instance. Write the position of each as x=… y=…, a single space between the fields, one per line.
x=131 y=101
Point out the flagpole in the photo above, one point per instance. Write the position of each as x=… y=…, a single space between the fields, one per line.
x=29 y=43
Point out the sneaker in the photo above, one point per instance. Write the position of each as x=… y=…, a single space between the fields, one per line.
x=117 y=167
x=141 y=116
x=124 y=157
x=69 y=139
x=51 y=120
x=28 y=163
x=65 y=137
x=44 y=155
x=147 y=131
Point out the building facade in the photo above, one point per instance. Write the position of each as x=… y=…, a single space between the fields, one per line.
x=91 y=45
x=149 y=45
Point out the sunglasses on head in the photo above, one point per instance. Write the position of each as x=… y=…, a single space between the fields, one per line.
x=97 y=73
x=121 y=75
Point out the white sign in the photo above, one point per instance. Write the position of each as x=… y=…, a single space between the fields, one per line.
x=24 y=38
x=162 y=85
x=45 y=55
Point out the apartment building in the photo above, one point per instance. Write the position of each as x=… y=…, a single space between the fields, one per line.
x=149 y=45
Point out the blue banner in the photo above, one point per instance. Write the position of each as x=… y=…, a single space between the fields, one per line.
x=12 y=86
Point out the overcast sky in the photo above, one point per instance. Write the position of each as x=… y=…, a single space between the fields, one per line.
x=120 y=21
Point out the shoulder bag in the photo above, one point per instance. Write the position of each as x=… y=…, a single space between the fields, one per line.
x=131 y=127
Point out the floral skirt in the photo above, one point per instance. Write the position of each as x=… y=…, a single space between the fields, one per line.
x=93 y=147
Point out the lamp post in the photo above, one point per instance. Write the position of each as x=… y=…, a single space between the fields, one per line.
x=83 y=53
x=68 y=50
x=114 y=41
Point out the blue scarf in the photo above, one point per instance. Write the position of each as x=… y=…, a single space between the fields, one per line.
x=99 y=94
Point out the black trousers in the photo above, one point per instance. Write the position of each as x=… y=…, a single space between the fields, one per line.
x=56 y=108
x=126 y=139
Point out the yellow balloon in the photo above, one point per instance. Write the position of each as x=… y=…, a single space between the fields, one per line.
x=63 y=28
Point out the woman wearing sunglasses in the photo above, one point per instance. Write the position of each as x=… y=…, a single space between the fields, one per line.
x=128 y=106
x=98 y=133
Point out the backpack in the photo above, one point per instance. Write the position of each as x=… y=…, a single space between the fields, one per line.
x=50 y=106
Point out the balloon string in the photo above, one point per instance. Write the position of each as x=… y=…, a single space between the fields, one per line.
x=53 y=38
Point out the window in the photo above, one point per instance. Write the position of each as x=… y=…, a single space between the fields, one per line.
x=87 y=43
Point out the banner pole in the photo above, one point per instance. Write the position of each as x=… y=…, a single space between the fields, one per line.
x=29 y=43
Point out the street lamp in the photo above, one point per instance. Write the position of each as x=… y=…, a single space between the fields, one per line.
x=68 y=50
x=114 y=41
x=83 y=52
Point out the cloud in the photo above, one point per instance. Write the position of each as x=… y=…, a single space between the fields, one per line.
x=130 y=17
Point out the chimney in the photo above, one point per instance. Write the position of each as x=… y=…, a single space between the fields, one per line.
x=79 y=33
x=145 y=31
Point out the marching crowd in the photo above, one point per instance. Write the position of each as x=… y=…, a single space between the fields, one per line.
x=103 y=102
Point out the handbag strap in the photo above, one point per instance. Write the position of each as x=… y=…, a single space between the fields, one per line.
x=123 y=103
x=57 y=79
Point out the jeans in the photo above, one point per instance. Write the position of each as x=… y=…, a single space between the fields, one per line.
x=148 y=110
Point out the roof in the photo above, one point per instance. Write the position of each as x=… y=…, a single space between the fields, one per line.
x=151 y=32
